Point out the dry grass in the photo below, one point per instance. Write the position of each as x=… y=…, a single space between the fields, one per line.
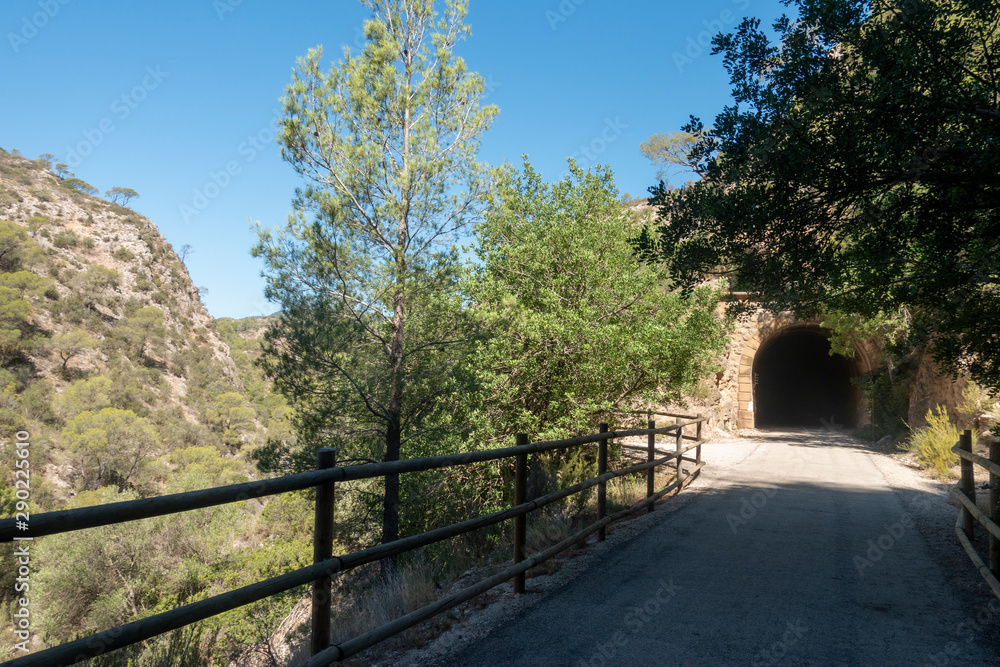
x=625 y=492
x=386 y=600
x=932 y=444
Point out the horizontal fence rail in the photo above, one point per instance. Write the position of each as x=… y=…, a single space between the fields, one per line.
x=63 y=521
x=970 y=514
x=326 y=565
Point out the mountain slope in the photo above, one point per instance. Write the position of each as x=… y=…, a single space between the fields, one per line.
x=112 y=365
x=89 y=289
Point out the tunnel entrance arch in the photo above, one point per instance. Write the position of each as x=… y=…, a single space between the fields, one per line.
x=797 y=382
x=787 y=378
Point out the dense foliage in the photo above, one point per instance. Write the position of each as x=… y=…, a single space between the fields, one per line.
x=386 y=141
x=104 y=364
x=581 y=329
x=856 y=171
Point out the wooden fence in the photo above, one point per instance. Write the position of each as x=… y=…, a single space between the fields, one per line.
x=970 y=513
x=326 y=565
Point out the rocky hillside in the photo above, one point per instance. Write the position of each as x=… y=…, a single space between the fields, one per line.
x=97 y=312
x=129 y=389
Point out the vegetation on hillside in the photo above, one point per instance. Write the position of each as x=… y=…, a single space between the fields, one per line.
x=110 y=363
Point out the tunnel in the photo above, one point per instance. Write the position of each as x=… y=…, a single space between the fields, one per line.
x=798 y=383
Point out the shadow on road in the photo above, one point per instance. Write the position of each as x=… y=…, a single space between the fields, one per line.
x=803 y=555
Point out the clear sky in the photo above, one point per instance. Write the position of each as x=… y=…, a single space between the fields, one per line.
x=178 y=100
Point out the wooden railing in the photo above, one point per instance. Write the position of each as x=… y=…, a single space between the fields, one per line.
x=326 y=565
x=970 y=513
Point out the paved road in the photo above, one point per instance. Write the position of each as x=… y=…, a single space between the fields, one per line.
x=802 y=555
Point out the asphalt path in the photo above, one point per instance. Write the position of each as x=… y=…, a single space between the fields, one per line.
x=803 y=554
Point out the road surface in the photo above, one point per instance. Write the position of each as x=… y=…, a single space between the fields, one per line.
x=805 y=552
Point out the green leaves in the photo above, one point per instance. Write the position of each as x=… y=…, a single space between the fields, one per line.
x=112 y=446
x=582 y=328
x=857 y=171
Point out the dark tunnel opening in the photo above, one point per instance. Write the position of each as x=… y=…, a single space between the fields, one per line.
x=797 y=382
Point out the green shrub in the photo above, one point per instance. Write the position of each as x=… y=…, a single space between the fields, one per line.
x=8 y=197
x=79 y=185
x=83 y=396
x=889 y=402
x=112 y=446
x=66 y=240
x=123 y=255
x=933 y=442
x=42 y=195
x=979 y=409
x=36 y=401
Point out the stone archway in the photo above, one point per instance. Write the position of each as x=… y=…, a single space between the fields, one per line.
x=773 y=339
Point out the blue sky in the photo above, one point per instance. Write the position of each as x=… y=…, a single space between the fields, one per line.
x=178 y=100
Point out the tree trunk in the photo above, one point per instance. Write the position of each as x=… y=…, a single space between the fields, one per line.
x=390 y=509
x=393 y=432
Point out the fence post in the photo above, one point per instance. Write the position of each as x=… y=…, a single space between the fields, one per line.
x=322 y=549
x=968 y=484
x=680 y=445
x=995 y=508
x=520 y=522
x=650 y=455
x=602 y=487
x=698 y=449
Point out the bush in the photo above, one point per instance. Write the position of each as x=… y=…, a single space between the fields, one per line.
x=36 y=401
x=123 y=255
x=83 y=396
x=933 y=443
x=8 y=197
x=980 y=408
x=94 y=579
x=112 y=446
x=66 y=240
x=889 y=402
